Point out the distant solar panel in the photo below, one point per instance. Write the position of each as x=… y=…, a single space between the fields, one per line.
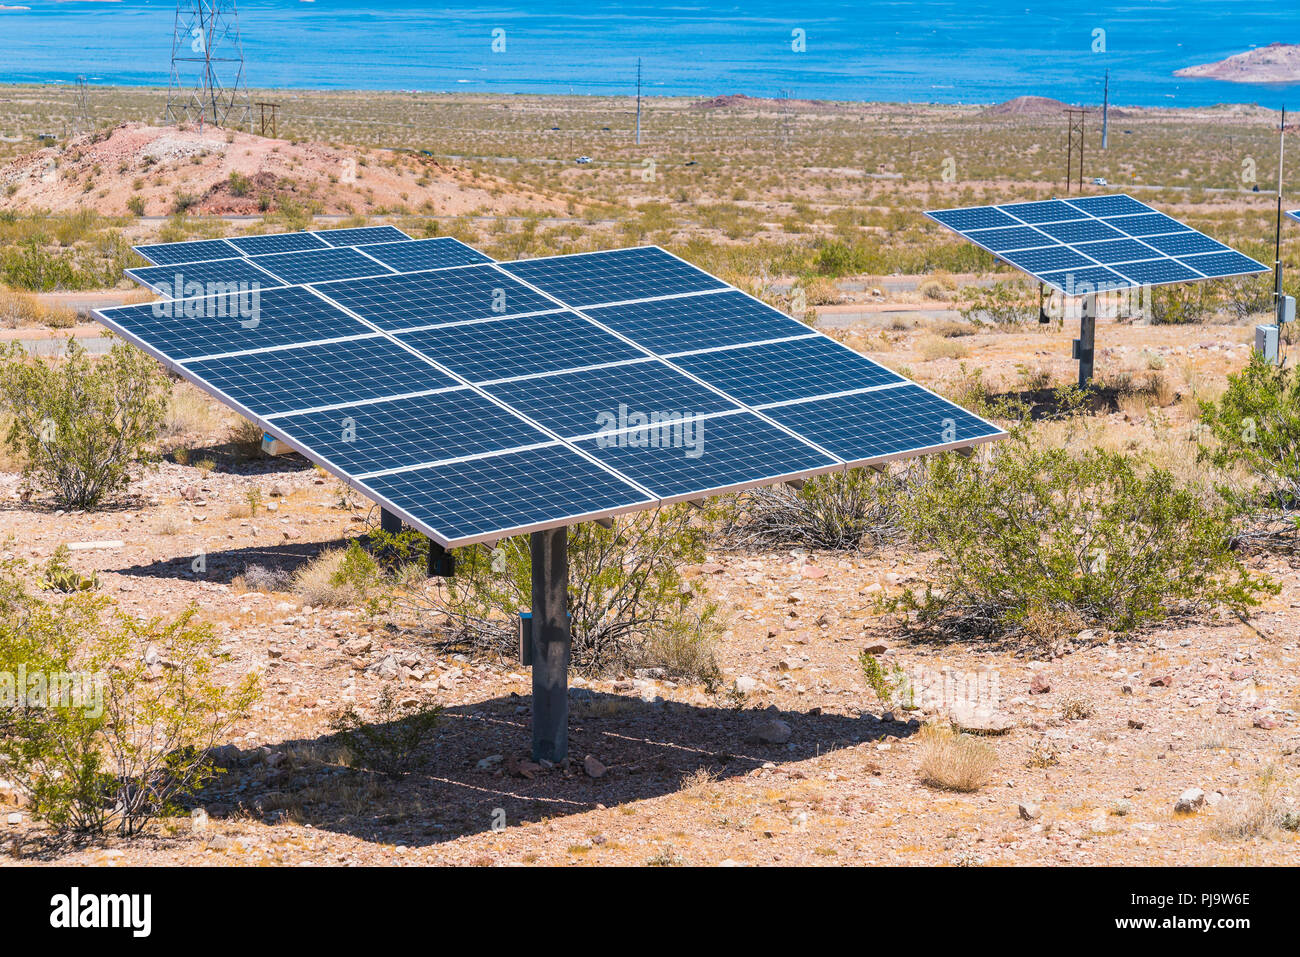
x=419 y=254
x=482 y=400
x=188 y=280
x=165 y=254
x=1294 y=214
x=619 y=275
x=361 y=236
x=321 y=265
x=1096 y=243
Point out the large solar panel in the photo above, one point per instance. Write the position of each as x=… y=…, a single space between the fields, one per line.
x=478 y=400
x=1096 y=243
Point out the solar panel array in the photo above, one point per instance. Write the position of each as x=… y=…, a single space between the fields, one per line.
x=1096 y=243
x=478 y=399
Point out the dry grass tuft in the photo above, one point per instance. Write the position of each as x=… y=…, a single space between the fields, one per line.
x=954 y=762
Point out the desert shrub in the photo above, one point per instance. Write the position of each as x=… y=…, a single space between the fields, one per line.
x=240 y=185
x=1010 y=303
x=135 y=206
x=890 y=685
x=1187 y=302
x=141 y=709
x=1026 y=535
x=390 y=742
x=629 y=604
x=59 y=575
x=954 y=762
x=841 y=510
x=247 y=437
x=83 y=427
x=339 y=577
x=1256 y=428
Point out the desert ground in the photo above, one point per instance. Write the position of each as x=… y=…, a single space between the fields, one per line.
x=788 y=758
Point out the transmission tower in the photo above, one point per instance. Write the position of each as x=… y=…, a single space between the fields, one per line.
x=207 y=81
x=83 y=122
x=1074 y=142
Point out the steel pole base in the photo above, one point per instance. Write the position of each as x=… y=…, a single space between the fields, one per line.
x=550 y=644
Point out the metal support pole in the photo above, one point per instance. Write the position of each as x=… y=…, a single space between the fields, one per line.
x=550 y=641
x=389 y=522
x=1083 y=346
x=441 y=562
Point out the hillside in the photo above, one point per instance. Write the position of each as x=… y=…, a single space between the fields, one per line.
x=1275 y=63
x=223 y=172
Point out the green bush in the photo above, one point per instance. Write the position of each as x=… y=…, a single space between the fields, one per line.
x=629 y=603
x=136 y=738
x=1256 y=427
x=390 y=743
x=240 y=185
x=1040 y=542
x=842 y=510
x=82 y=426
x=1010 y=303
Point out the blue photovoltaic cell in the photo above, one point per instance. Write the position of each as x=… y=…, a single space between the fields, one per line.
x=166 y=254
x=362 y=236
x=234 y=322
x=277 y=243
x=1080 y=231
x=1050 y=259
x=414 y=430
x=418 y=254
x=572 y=404
x=870 y=425
x=515 y=490
x=308 y=377
x=321 y=265
x=619 y=275
x=1156 y=272
x=1009 y=237
x=1294 y=214
x=1139 y=245
x=1186 y=244
x=190 y=280
x=1148 y=224
x=716 y=453
x=705 y=321
x=1230 y=263
x=520 y=345
x=1084 y=281
x=976 y=217
x=1047 y=211
x=1109 y=205
x=786 y=370
x=1118 y=251
x=430 y=298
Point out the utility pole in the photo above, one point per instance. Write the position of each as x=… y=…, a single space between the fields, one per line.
x=638 y=101
x=1105 y=113
x=1075 y=123
x=84 y=122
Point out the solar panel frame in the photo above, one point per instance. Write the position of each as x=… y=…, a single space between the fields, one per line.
x=1294 y=214
x=1068 y=265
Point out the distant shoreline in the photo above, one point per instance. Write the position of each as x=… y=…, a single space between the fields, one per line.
x=739 y=100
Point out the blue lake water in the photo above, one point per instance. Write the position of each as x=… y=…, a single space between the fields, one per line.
x=943 y=50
